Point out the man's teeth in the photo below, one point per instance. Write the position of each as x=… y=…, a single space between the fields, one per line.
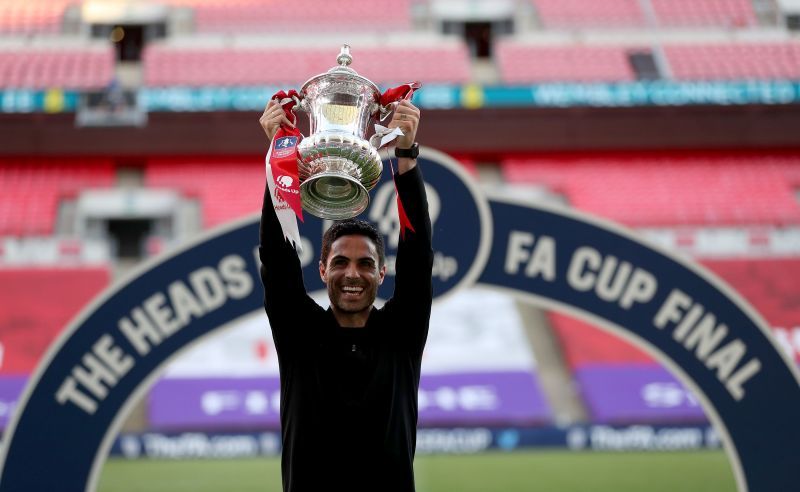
x=352 y=289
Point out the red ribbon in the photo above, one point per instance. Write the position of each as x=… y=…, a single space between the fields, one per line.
x=283 y=154
x=405 y=223
x=395 y=94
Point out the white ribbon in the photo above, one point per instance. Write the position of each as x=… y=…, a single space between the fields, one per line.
x=286 y=215
x=384 y=135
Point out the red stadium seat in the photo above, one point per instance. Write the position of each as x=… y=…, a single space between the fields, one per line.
x=650 y=190
x=583 y=344
x=299 y=15
x=731 y=13
x=224 y=187
x=521 y=63
x=30 y=323
x=171 y=66
x=50 y=68
x=32 y=16
x=589 y=13
x=30 y=190
x=733 y=61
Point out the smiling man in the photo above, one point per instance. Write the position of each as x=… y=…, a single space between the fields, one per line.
x=350 y=373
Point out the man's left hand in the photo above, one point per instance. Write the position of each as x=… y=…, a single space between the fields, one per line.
x=406 y=117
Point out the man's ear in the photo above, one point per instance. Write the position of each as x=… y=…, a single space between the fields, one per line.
x=381 y=275
x=323 y=272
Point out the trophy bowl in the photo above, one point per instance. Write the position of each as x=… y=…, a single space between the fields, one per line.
x=337 y=165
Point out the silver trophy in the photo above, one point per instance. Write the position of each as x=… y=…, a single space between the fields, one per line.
x=337 y=165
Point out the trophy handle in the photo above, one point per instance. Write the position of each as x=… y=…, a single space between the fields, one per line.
x=385 y=111
x=302 y=105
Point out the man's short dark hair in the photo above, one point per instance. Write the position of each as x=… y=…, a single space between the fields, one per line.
x=351 y=227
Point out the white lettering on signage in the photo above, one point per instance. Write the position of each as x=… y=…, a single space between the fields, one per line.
x=667 y=395
x=644 y=437
x=788 y=339
x=198 y=445
x=450 y=399
x=252 y=402
x=539 y=256
x=698 y=331
x=611 y=279
x=208 y=289
x=98 y=373
x=453 y=440
x=444 y=267
x=157 y=318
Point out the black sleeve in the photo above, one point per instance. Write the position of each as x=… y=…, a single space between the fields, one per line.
x=413 y=293
x=285 y=299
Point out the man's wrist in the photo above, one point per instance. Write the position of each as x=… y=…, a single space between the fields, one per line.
x=408 y=153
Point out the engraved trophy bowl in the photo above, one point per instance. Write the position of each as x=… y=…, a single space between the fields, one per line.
x=337 y=166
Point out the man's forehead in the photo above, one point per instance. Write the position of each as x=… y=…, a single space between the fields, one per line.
x=354 y=245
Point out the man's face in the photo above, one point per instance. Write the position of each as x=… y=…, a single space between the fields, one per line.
x=352 y=274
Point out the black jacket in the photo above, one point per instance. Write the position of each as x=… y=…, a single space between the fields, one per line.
x=349 y=395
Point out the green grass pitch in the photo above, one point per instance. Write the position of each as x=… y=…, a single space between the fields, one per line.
x=529 y=471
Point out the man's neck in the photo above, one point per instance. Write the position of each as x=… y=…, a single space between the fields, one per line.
x=351 y=320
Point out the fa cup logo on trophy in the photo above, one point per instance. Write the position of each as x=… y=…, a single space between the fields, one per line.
x=336 y=166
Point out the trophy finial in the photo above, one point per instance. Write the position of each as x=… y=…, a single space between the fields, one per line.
x=344 y=59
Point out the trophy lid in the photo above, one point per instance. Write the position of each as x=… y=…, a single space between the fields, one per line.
x=342 y=72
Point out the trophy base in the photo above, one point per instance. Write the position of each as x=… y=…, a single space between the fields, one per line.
x=336 y=172
x=333 y=195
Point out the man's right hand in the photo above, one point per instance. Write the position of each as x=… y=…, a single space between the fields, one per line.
x=273 y=118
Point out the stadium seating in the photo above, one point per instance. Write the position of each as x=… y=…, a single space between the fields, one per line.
x=30 y=190
x=64 y=68
x=32 y=16
x=520 y=63
x=226 y=189
x=36 y=304
x=299 y=15
x=588 y=13
x=660 y=189
x=770 y=285
x=761 y=61
x=170 y=66
x=578 y=14
x=729 y=13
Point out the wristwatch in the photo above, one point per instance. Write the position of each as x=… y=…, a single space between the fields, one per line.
x=411 y=153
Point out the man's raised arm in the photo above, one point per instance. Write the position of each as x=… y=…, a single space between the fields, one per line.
x=412 y=292
x=281 y=272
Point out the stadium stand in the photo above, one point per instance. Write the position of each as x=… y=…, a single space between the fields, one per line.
x=663 y=189
x=728 y=13
x=583 y=13
x=223 y=187
x=32 y=188
x=300 y=15
x=19 y=17
x=521 y=62
x=770 y=285
x=761 y=61
x=169 y=66
x=67 y=68
x=35 y=306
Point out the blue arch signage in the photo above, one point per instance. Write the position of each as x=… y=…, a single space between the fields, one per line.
x=703 y=331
